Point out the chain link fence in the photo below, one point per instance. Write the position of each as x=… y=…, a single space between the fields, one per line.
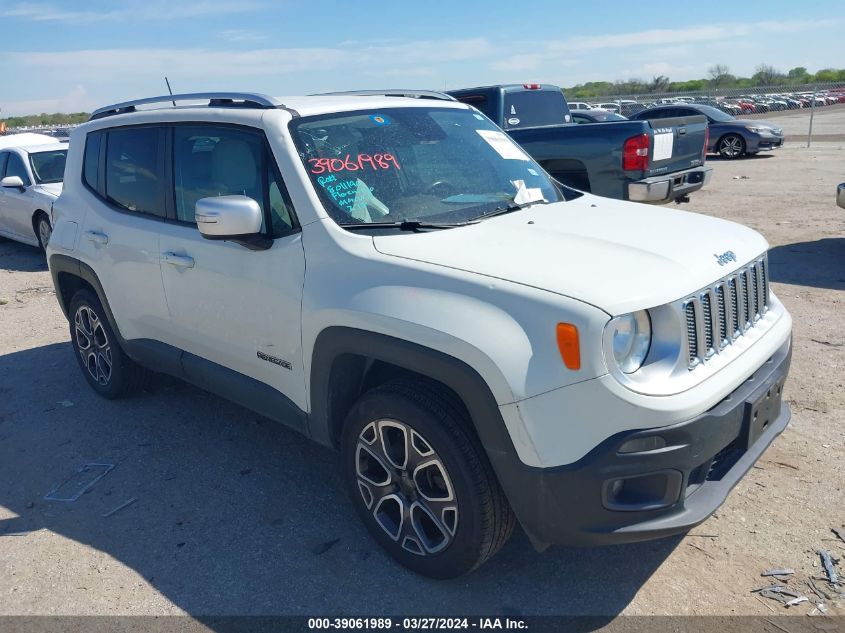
x=806 y=112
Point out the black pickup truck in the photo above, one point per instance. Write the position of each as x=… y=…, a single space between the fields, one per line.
x=657 y=161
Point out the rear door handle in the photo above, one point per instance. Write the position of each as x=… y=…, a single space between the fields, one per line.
x=180 y=261
x=96 y=237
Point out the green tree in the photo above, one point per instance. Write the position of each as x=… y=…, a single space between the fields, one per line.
x=767 y=75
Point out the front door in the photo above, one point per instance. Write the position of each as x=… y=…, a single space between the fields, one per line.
x=235 y=307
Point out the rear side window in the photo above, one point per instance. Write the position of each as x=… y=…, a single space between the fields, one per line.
x=91 y=161
x=134 y=169
x=225 y=161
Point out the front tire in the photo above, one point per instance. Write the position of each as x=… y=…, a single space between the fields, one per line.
x=731 y=146
x=418 y=477
x=43 y=229
x=109 y=371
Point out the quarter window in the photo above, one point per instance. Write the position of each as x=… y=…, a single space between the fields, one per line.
x=222 y=161
x=91 y=162
x=134 y=169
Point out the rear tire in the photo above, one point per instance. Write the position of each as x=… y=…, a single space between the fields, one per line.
x=109 y=371
x=43 y=229
x=420 y=480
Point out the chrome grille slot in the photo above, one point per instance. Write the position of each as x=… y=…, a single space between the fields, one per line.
x=743 y=301
x=718 y=315
x=708 y=323
x=722 y=315
x=755 y=293
x=692 y=332
x=734 y=306
x=764 y=277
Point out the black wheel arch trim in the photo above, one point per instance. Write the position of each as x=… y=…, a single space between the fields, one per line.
x=461 y=378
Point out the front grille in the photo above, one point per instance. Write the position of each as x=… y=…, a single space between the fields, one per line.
x=740 y=299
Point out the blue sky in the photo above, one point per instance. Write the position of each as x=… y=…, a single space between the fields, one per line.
x=76 y=55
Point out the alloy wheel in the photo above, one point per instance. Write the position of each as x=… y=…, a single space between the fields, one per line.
x=45 y=232
x=93 y=344
x=406 y=487
x=730 y=146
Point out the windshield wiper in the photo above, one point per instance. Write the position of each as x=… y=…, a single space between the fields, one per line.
x=507 y=209
x=405 y=225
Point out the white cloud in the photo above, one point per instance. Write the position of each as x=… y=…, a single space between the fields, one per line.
x=134 y=10
x=242 y=35
x=704 y=33
x=77 y=100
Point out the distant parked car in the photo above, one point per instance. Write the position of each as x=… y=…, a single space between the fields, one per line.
x=840 y=195
x=579 y=105
x=595 y=115
x=30 y=180
x=729 y=137
x=609 y=106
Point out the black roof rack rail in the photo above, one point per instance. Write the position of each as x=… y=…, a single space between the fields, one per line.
x=413 y=94
x=215 y=99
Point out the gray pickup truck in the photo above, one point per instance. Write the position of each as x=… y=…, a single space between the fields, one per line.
x=644 y=161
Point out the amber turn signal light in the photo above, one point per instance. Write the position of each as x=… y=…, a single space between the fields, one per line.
x=567 y=343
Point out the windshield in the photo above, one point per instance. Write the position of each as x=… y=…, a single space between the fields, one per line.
x=442 y=165
x=48 y=167
x=715 y=113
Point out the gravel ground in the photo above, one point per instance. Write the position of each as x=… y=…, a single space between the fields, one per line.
x=236 y=515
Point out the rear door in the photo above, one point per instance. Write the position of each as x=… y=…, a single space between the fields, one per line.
x=123 y=174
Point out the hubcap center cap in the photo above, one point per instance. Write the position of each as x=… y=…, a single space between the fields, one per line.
x=407 y=486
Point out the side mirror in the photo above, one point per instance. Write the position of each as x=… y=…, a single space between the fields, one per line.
x=233 y=218
x=12 y=182
x=840 y=195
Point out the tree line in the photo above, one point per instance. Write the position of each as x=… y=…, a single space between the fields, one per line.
x=57 y=119
x=718 y=76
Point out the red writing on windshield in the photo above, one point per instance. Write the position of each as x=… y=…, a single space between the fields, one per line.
x=361 y=162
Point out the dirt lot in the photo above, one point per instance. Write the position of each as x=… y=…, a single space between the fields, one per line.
x=235 y=515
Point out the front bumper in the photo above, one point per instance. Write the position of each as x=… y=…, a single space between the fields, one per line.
x=668 y=187
x=664 y=490
x=764 y=143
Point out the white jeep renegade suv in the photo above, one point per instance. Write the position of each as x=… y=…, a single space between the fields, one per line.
x=393 y=277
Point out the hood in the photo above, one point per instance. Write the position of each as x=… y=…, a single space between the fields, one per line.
x=52 y=189
x=618 y=256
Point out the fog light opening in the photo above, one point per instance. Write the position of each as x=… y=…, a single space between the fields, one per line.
x=643 y=444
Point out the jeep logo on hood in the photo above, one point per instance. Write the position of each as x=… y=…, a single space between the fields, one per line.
x=725 y=258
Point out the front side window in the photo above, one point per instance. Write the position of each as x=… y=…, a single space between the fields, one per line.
x=225 y=161
x=441 y=165
x=48 y=167
x=16 y=167
x=134 y=170
x=4 y=158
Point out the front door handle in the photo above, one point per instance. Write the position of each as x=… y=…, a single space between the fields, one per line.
x=180 y=261
x=96 y=237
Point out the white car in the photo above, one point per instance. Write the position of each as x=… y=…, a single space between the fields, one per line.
x=30 y=181
x=579 y=105
x=396 y=279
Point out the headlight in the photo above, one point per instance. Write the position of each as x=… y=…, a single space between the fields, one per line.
x=631 y=339
x=755 y=129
